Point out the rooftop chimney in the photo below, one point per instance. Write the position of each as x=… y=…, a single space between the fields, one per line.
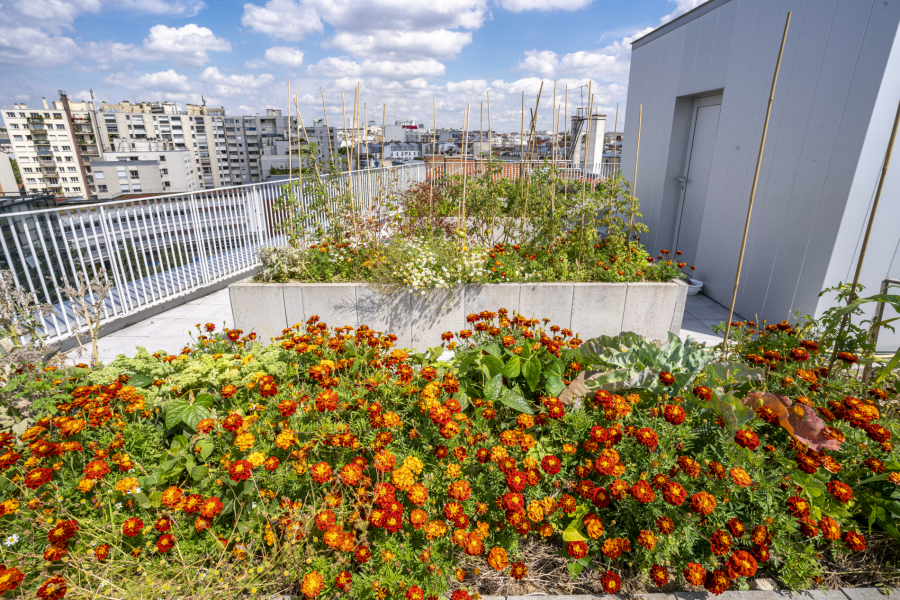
x=45 y=103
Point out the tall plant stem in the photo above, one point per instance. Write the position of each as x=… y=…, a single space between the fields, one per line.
x=290 y=157
x=327 y=129
x=349 y=171
x=299 y=168
x=522 y=141
x=305 y=135
x=865 y=245
x=762 y=145
x=433 y=164
x=587 y=141
x=491 y=168
x=465 y=156
x=532 y=142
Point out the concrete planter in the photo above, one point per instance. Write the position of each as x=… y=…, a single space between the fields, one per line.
x=589 y=309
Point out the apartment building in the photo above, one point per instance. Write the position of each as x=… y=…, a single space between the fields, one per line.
x=161 y=171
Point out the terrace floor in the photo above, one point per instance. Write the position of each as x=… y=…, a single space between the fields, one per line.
x=172 y=330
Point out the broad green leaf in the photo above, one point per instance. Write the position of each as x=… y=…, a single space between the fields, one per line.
x=575 y=569
x=180 y=441
x=493 y=387
x=557 y=366
x=731 y=409
x=194 y=414
x=205 y=400
x=463 y=399
x=350 y=346
x=199 y=472
x=512 y=368
x=555 y=385
x=532 y=371
x=174 y=412
x=890 y=366
x=493 y=349
x=139 y=381
x=494 y=365
x=142 y=500
x=515 y=401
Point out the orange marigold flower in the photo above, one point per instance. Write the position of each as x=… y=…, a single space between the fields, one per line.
x=717 y=582
x=233 y=422
x=740 y=477
x=414 y=592
x=518 y=570
x=52 y=589
x=10 y=578
x=694 y=573
x=321 y=472
x=96 y=469
x=841 y=491
x=35 y=478
x=720 y=542
x=647 y=539
x=171 y=496
x=312 y=584
x=667 y=378
x=853 y=540
x=497 y=558
x=830 y=528
x=674 y=493
x=343 y=581
x=742 y=563
x=665 y=525
x=704 y=393
x=703 y=503
x=165 y=543
x=211 y=507
x=642 y=492
x=659 y=575
x=798 y=507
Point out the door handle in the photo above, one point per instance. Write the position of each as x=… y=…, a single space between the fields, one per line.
x=682 y=179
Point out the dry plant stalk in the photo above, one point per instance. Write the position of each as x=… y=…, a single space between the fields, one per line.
x=87 y=298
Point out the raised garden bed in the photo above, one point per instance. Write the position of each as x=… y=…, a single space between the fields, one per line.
x=649 y=309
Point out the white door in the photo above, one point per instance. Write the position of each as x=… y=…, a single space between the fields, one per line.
x=695 y=181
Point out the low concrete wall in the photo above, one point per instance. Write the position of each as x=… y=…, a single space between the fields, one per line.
x=589 y=309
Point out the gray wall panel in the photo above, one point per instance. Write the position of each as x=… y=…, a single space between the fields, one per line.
x=705 y=39
x=721 y=50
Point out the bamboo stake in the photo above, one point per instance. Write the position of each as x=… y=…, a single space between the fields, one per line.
x=300 y=165
x=327 y=129
x=300 y=118
x=490 y=166
x=615 y=143
x=762 y=145
x=522 y=141
x=290 y=157
x=637 y=155
x=383 y=113
x=433 y=164
x=349 y=171
x=553 y=125
x=865 y=244
x=566 y=116
x=462 y=212
x=587 y=141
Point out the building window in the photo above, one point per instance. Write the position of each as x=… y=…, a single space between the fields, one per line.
x=18 y=138
x=162 y=159
x=63 y=127
x=99 y=175
x=57 y=115
x=72 y=170
x=124 y=187
x=102 y=188
x=164 y=171
x=30 y=180
x=122 y=175
x=67 y=148
x=136 y=187
x=68 y=159
x=134 y=174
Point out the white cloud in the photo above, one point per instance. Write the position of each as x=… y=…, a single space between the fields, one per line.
x=284 y=19
x=32 y=47
x=284 y=55
x=163 y=81
x=543 y=62
x=381 y=69
x=610 y=63
x=49 y=15
x=441 y=43
x=542 y=5
x=681 y=7
x=189 y=44
x=184 y=8
x=233 y=85
x=255 y=64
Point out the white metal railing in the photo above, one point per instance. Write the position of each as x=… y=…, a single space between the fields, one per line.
x=159 y=248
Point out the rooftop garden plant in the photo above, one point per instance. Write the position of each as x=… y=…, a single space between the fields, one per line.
x=468 y=228
x=330 y=463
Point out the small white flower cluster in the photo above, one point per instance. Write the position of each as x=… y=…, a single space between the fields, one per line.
x=426 y=271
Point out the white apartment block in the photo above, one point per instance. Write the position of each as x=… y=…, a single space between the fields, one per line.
x=160 y=172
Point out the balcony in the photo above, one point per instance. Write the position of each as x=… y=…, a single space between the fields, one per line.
x=34 y=120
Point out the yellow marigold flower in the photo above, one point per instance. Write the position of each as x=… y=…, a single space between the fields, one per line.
x=387 y=556
x=32 y=433
x=256 y=458
x=9 y=507
x=403 y=478
x=31 y=462
x=524 y=421
x=498 y=452
x=413 y=464
x=299 y=468
x=126 y=485
x=569 y=449
x=535 y=511
x=244 y=441
x=285 y=439
x=453 y=471
x=549 y=505
x=392 y=419
x=435 y=529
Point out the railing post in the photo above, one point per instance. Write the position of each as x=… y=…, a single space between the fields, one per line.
x=197 y=226
x=112 y=249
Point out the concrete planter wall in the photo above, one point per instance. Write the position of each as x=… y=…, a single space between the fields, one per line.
x=589 y=309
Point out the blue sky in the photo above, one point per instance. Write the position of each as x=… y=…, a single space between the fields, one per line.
x=403 y=53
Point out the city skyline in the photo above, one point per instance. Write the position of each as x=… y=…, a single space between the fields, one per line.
x=402 y=54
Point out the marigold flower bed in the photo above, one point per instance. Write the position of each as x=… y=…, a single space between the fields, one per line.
x=330 y=463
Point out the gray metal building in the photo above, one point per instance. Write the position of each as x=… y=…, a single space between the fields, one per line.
x=703 y=80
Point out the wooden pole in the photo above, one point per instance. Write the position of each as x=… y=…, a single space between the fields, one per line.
x=305 y=135
x=865 y=244
x=566 y=117
x=615 y=143
x=553 y=125
x=300 y=165
x=637 y=155
x=327 y=129
x=587 y=141
x=522 y=141
x=462 y=211
x=350 y=170
x=383 y=124
x=290 y=157
x=433 y=163
x=762 y=145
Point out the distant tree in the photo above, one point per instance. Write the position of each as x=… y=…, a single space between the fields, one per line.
x=15 y=167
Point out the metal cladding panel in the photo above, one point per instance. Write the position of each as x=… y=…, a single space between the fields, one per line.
x=822 y=139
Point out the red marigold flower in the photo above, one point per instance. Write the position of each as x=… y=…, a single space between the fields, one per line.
x=516 y=481
x=611 y=582
x=165 y=543
x=211 y=507
x=62 y=532
x=343 y=581
x=642 y=492
x=717 y=582
x=267 y=387
x=736 y=527
x=576 y=549
x=854 y=540
x=704 y=393
x=163 y=524
x=287 y=407
x=460 y=595
x=414 y=592
x=52 y=589
x=101 y=552
x=646 y=539
x=618 y=489
x=647 y=437
x=518 y=571
x=877 y=433
x=875 y=465
x=312 y=584
x=459 y=490
x=96 y=469
x=326 y=401
x=171 y=496
x=665 y=525
x=674 y=493
x=694 y=573
x=132 y=527
x=551 y=464
x=799 y=354
x=667 y=378
x=233 y=422
x=55 y=553
x=271 y=463
x=742 y=563
x=690 y=466
x=321 y=472
x=362 y=554
x=192 y=504
x=10 y=578
x=229 y=390
x=720 y=542
x=847 y=357
x=746 y=439
x=240 y=470
x=761 y=553
x=674 y=414
x=798 y=507
x=703 y=503
x=659 y=575
x=841 y=491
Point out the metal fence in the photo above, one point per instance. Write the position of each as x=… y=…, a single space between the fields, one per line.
x=566 y=170
x=155 y=249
